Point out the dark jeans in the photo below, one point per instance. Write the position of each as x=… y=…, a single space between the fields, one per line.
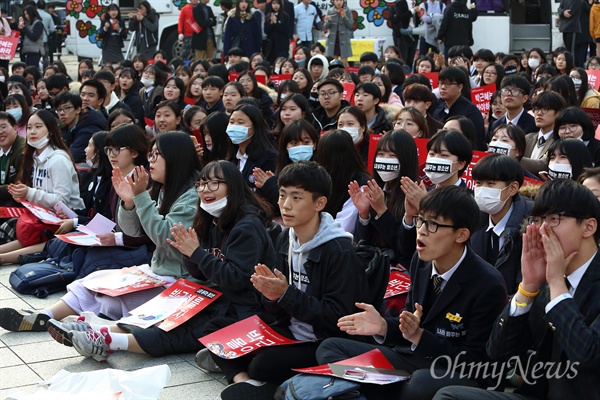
x=569 y=40
x=32 y=59
x=421 y=386
x=273 y=364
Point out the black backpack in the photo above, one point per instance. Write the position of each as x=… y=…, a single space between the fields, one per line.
x=377 y=263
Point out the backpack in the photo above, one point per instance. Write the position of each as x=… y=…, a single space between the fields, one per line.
x=51 y=275
x=318 y=387
x=377 y=263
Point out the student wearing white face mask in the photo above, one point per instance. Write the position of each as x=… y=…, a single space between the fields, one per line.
x=47 y=176
x=566 y=159
x=16 y=105
x=573 y=122
x=449 y=154
x=380 y=203
x=498 y=239
x=354 y=121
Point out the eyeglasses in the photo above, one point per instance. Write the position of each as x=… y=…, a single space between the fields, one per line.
x=447 y=83
x=595 y=65
x=490 y=73
x=53 y=93
x=64 y=110
x=568 y=128
x=430 y=226
x=153 y=155
x=540 y=110
x=327 y=95
x=211 y=185
x=114 y=151
x=511 y=92
x=551 y=219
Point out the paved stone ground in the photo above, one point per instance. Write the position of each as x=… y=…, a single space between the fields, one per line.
x=27 y=358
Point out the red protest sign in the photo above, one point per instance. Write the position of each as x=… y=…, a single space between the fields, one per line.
x=149 y=122
x=594 y=114
x=189 y=100
x=8 y=47
x=261 y=79
x=233 y=76
x=373 y=358
x=352 y=69
x=278 y=79
x=481 y=97
x=467 y=175
x=593 y=78
x=349 y=92
x=373 y=140
x=398 y=283
x=243 y=337
x=433 y=78
x=422 y=157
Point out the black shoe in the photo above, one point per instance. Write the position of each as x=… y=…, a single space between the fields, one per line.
x=23 y=321
x=249 y=391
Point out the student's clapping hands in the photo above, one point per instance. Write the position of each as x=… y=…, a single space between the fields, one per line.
x=260 y=177
x=128 y=189
x=366 y=323
x=272 y=285
x=186 y=241
x=370 y=196
x=409 y=324
x=18 y=191
x=413 y=194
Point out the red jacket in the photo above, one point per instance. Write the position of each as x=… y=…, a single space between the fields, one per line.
x=185 y=15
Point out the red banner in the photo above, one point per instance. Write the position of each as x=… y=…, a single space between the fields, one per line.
x=233 y=76
x=261 y=79
x=189 y=100
x=467 y=175
x=348 y=94
x=8 y=47
x=481 y=97
x=12 y=212
x=352 y=69
x=433 y=78
x=278 y=79
x=593 y=78
x=594 y=114
x=373 y=140
x=399 y=283
x=243 y=337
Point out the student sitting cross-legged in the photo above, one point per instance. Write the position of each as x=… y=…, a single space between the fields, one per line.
x=317 y=279
x=452 y=303
x=556 y=310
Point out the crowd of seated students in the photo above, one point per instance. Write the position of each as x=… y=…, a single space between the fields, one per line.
x=262 y=191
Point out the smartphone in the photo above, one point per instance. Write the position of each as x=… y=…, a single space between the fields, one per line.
x=194 y=140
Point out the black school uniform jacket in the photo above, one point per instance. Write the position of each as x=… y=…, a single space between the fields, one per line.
x=508 y=262
x=526 y=122
x=266 y=162
x=574 y=323
x=464 y=107
x=462 y=316
x=228 y=260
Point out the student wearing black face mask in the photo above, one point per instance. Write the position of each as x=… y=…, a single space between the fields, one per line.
x=587 y=96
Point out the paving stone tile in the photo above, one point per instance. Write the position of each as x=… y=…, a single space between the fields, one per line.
x=47 y=369
x=19 y=375
x=208 y=390
x=44 y=351
x=8 y=358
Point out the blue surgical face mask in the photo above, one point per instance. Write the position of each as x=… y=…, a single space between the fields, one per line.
x=237 y=133
x=300 y=153
x=16 y=112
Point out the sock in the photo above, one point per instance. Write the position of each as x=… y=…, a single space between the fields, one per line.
x=115 y=341
x=48 y=313
x=254 y=382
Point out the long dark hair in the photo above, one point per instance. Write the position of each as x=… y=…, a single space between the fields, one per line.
x=222 y=148
x=238 y=195
x=584 y=83
x=32 y=13
x=182 y=167
x=56 y=141
x=20 y=100
x=104 y=168
x=403 y=145
x=337 y=154
x=301 y=102
x=309 y=82
x=260 y=144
